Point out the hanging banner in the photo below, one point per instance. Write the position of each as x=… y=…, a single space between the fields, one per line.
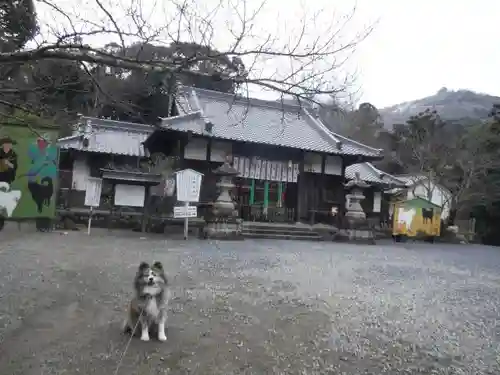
x=269 y=170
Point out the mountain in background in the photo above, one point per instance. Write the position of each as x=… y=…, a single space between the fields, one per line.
x=460 y=105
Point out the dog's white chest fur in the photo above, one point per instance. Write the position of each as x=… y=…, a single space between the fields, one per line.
x=152 y=308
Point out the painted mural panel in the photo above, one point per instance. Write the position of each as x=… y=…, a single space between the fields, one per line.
x=416 y=215
x=28 y=172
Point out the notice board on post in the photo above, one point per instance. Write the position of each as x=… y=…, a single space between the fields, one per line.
x=93 y=192
x=130 y=195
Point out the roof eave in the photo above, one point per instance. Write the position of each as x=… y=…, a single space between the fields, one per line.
x=169 y=121
x=383 y=174
x=123 y=126
x=208 y=135
x=145 y=177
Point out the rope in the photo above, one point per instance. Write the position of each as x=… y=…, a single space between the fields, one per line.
x=128 y=343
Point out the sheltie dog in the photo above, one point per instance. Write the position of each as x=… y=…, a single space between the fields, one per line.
x=149 y=306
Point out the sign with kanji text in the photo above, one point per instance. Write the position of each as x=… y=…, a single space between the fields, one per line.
x=188 y=183
x=185 y=211
x=93 y=192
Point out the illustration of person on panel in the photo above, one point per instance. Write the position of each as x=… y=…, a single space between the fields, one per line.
x=8 y=160
x=42 y=171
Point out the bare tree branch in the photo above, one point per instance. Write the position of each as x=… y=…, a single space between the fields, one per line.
x=314 y=60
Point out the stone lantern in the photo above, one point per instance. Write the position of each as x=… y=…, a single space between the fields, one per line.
x=358 y=228
x=355 y=213
x=222 y=220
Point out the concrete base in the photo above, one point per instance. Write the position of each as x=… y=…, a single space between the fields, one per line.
x=363 y=236
x=27 y=225
x=327 y=232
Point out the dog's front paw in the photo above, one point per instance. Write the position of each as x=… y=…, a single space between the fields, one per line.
x=144 y=337
x=162 y=337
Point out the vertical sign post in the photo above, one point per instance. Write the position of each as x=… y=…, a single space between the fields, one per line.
x=186 y=221
x=92 y=196
x=188 y=183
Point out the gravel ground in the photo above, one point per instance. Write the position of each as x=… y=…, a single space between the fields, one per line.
x=252 y=307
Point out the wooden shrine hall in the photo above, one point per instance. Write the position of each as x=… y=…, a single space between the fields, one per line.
x=291 y=167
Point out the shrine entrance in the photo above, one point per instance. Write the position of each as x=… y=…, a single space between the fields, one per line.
x=267 y=201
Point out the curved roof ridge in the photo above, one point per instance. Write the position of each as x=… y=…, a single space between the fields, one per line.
x=104 y=123
x=379 y=150
x=384 y=173
x=322 y=127
x=240 y=98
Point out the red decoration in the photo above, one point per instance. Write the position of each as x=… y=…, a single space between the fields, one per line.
x=42 y=143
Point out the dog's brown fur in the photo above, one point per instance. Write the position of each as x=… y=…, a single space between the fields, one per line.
x=148 y=308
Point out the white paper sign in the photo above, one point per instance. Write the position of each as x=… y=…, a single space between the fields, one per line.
x=185 y=211
x=93 y=191
x=188 y=185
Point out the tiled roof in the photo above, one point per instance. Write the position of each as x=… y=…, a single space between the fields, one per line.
x=369 y=173
x=409 y=181
x=412 y=180
x=108 y=137
x=259 y=121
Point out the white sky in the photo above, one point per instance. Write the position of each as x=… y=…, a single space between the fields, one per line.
x=420 y=46
x=417 y=46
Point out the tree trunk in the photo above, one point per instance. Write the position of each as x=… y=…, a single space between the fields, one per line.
x=452 y=216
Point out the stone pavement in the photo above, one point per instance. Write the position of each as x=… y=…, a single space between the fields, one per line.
x=251 y=307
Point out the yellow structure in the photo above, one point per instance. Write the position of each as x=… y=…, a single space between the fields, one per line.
x=416 y=217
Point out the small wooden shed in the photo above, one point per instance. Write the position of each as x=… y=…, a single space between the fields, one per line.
x=416 y=217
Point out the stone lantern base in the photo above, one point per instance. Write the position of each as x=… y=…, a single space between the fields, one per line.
x=223 y=230
x=356 y=230
x=361 y=236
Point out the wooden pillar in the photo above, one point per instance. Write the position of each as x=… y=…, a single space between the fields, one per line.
x=342 y=203
x=266 y=195
x=145 y=211
x=265 y=203
x=323 y=180
x=280 y=195
x=112 y=204
x=251 y=199
x=182 y=143
x=209 y=150
x=300 y=188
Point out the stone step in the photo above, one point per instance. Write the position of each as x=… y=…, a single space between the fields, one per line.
x=280 y=236
x=277 y=227
x=279 y=231
x=284 y=231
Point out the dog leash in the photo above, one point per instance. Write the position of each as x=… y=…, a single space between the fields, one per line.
x=128 y=343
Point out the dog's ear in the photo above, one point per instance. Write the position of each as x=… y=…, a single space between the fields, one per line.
x=143 y=266
x=158 y=266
